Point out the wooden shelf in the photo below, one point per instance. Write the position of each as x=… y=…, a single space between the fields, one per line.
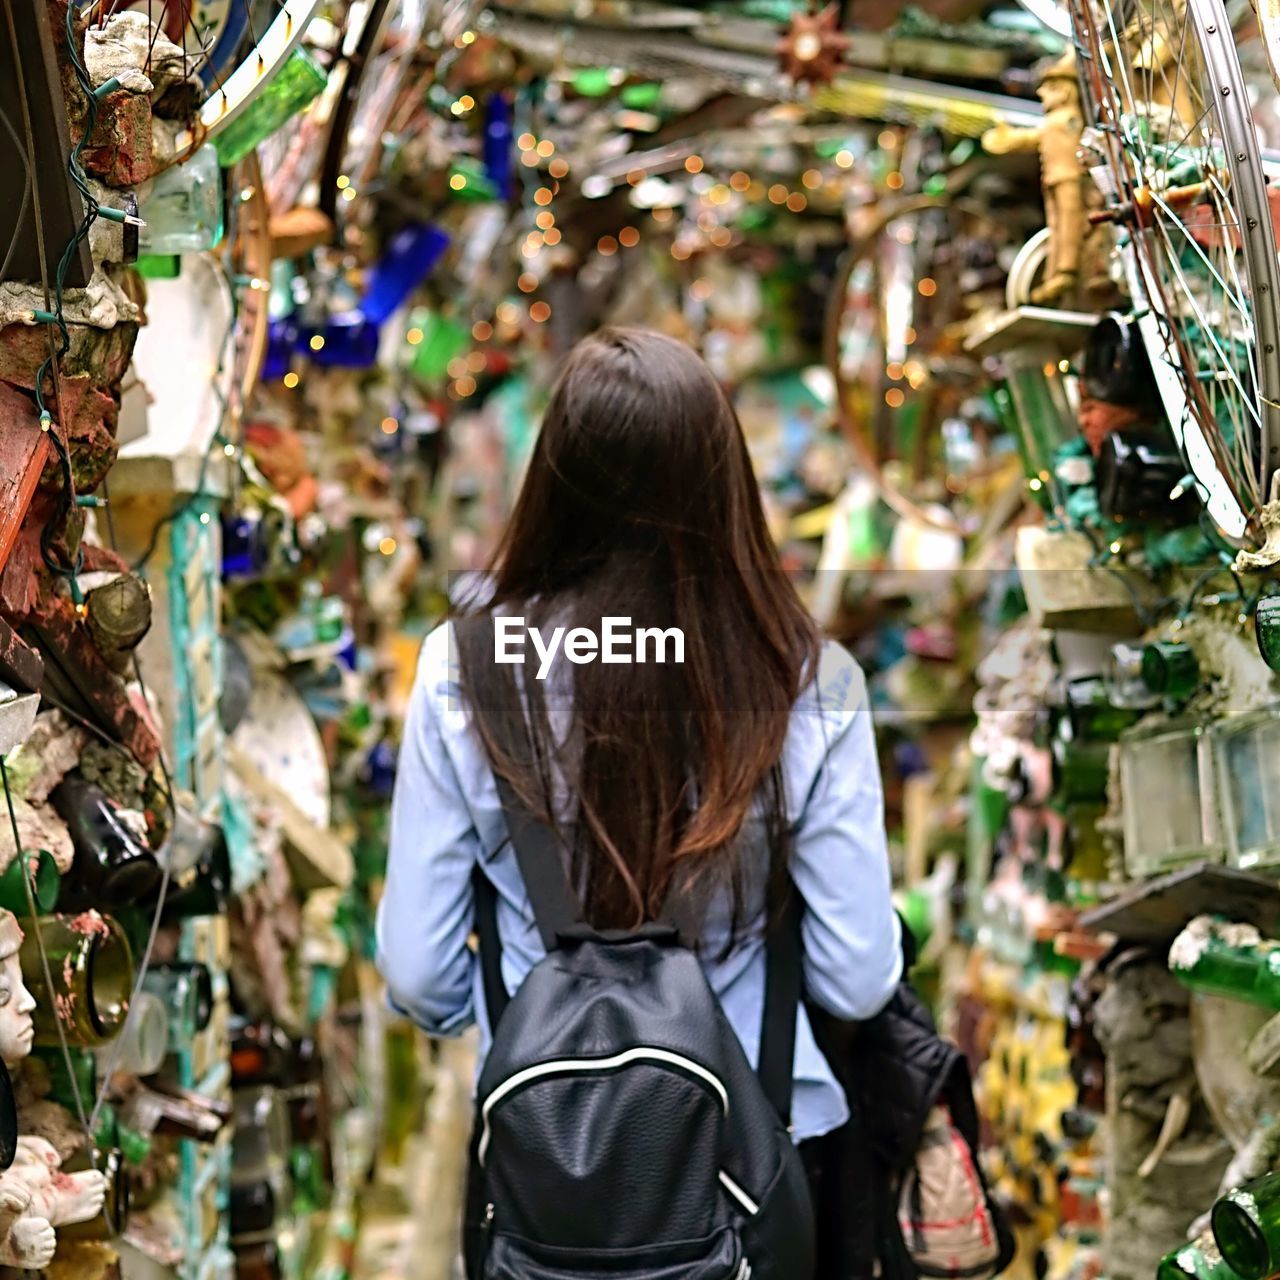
x=1156 y=911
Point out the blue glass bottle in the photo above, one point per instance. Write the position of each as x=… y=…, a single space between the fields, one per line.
x=347 y=341
x=410 y=257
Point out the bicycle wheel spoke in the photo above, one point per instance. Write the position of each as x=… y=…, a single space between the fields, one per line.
x=1206 y=328
x=1236 y=298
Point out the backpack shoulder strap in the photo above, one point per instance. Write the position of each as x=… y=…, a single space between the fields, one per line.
x=538 y=849
x=539 y=853
x=783 y=983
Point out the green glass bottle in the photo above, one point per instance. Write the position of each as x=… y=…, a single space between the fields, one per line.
x=298 y=82
x=91 y=968
x=1198 y=1260
x=158 y=266
x=434 y=341
x=1266 y=624
x=42 y=874
x=1246 y=1226
x=1171 y=669
x=1231 y=960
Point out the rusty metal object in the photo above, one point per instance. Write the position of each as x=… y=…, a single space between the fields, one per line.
x=119 y=615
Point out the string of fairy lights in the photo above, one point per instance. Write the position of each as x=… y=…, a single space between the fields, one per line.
x=696 y=222
x=698 y=216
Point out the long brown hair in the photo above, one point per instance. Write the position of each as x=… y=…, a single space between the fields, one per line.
x=640 y=501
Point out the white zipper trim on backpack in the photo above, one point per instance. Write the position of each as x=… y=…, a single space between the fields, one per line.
x=739 y=1195
x=744 y=1271
x=562 y=1066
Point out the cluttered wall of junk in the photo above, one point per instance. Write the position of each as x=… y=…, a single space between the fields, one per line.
x=906 y=377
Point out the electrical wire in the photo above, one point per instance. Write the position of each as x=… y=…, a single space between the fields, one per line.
x=54 y=307
x=26 y=194
x=53 y=299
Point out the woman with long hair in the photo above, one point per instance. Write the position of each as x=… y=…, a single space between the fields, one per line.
x=727 y=781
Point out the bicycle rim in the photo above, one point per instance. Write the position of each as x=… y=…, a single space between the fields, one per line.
x=1186 y=175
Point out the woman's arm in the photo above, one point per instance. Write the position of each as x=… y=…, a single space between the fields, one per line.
x=425 y=915
x=840 y=863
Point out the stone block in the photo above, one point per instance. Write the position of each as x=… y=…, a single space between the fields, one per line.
x=103 y=353
x=119 y=150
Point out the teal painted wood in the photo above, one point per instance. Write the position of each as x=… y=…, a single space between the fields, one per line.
x=195 y=616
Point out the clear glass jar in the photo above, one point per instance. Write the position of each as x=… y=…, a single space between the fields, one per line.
x=1170 y=809
x=1246 y=752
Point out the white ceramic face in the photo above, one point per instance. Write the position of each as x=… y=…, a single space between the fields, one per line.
x=17 y=1031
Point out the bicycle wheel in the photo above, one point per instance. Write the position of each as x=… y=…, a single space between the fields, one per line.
x=905 y=391
x=375 y=68
x=235 y=46
x=1182 y=173
x=247 y=250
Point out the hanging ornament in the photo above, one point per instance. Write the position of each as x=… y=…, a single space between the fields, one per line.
x=498 y=152
x=812 y=49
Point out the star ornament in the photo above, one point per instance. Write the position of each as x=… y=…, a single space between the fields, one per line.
x=813 y=46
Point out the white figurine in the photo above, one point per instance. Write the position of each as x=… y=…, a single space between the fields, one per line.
x=35 y=1195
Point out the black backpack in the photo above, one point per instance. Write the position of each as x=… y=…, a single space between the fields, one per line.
x=620 y=1132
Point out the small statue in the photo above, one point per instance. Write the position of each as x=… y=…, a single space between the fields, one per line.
x=35 y=1195
x=1057 y=139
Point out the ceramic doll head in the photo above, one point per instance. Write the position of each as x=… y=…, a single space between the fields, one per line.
x=17 y=1031
x=1058 y=85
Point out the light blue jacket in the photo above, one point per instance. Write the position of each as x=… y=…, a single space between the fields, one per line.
x=446 y=817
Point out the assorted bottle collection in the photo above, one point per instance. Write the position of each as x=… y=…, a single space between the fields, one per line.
x=151 y=1065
